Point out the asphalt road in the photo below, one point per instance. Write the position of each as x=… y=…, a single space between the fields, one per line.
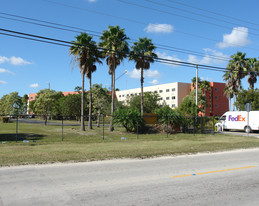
x=227 y=178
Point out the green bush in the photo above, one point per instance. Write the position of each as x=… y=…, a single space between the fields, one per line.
x=130 y=119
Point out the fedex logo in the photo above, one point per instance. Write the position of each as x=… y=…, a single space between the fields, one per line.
x=237 y=118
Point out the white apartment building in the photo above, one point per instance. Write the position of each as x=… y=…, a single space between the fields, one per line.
x=171 y=94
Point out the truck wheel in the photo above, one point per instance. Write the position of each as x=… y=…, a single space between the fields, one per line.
x=219 y=129
x=247 y=129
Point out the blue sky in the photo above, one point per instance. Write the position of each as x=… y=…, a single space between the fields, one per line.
x=28 y=66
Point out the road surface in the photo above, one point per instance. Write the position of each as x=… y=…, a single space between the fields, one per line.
x=226 y=178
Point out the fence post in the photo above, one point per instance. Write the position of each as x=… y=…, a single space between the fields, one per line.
x=16 y=128
x=103 y=127
x=167 y=126
x=213 y=127
x=137 y=128
x=62 y=129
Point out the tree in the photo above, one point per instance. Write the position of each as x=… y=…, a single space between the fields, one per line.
x=252 y=71
x=11 y=104
x=143 y=54
x=151 y=102
x=71 y=105
x=247 y=96
x=115 y=48
x=85 y=52
x=188 y=106
x=100 y=101
x=45 y=102
x=235 y=72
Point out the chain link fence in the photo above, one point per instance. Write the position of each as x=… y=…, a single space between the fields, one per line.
x=143 y=125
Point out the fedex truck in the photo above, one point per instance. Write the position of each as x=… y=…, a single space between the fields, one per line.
x=239 y=120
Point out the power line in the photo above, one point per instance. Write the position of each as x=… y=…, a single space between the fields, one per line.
x=160 y=46
x=212 y=12
x=194 y=13
x=68 y=44
x=182 y=16
x=139 y=22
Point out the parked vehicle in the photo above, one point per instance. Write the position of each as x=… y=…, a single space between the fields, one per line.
x=239 y=120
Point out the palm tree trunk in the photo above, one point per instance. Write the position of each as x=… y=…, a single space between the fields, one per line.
x=112 y=105
x=82 y=103
x=90 y=104
x=142 y=93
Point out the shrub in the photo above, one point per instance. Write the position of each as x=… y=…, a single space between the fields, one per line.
x=130 y=119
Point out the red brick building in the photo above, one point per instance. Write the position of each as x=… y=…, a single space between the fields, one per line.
x=217 y=101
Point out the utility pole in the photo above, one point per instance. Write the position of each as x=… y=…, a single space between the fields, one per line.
x=197 y=84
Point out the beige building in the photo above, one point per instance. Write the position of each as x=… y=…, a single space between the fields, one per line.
x=170 y=94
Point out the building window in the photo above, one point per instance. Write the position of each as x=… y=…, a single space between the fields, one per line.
x=160 y=98
x=216 y=106
x=167 y=90
x=216 y=89
x=136 y=94
x=173 y=89
x=31 y=97
x=123 y=95
x=167 y=98
x=160 y=91
x=173 y=105
x=119 y=95
x=173 y=97
x=216 y=97
x=127 y=95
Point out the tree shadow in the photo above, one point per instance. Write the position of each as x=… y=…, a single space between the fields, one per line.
x=20 y=137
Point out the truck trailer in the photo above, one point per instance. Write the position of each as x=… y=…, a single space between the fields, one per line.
x=239 y=120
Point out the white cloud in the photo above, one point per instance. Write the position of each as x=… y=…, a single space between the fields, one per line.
x=135 y=74
x=238 y=37
x=165 y=56
x=3 y=59
x=159 y=28
x=17 y=61
x=155 y=81
x=35 y=85
x=6 y=71
x=2 y=82
x=211 y=57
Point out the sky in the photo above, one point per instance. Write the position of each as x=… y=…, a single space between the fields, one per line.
x=199 y=32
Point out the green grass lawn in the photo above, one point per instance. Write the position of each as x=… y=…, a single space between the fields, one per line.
x=45 y=145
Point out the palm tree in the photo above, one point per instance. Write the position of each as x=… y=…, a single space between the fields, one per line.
x=143 y=54
x=235 y=72
x=237 y=66
x=252 y=70
x=84 y=51
x=115 y=48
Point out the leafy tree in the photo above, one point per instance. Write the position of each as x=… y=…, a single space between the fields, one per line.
x=85 y=52
x=71 y=105
x=45 y=102
x=115 y=49
x=188 y=106
x=143 y=54
x=100 y=101
x=130 y=119
x=151 y=102
x=11 y=104
x=247 y=96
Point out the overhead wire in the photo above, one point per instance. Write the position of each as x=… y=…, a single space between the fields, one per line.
x=67 y=28
x=139 y=22
x=68 y=44
x=197 y=14
x=182 y=16
x=213 y=12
